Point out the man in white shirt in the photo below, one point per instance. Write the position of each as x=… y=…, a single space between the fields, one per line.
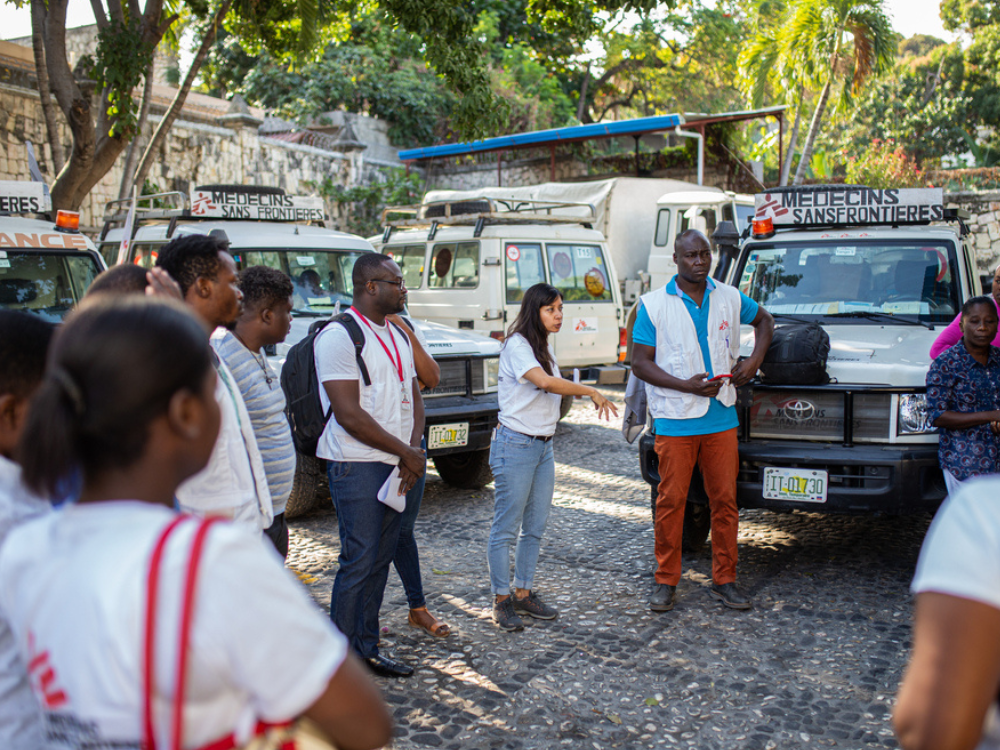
x=234 y=484
x=373 y=428
x=24 y=343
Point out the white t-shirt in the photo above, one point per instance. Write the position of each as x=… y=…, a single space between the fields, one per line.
x=961 y=557
x=74 y=585
x=234 y=483
x=524 y=407
x=961 y=553
x=20 y=717
x=383 y=399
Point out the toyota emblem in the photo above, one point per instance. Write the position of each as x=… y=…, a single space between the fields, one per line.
x=799 y=410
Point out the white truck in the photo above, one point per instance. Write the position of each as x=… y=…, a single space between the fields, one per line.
x=45 y=265
x=266 y=226
x=882 y=271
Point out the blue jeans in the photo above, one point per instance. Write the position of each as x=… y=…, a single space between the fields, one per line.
x=368 y=534
x=407 y=559
x=525 y=475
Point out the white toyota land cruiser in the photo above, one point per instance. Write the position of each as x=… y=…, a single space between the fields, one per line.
x=882 y=271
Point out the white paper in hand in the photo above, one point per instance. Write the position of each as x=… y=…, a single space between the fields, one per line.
x=389 y=492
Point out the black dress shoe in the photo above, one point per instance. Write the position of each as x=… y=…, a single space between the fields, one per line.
x=730 y=595
x=662 y=597
x=383 y=665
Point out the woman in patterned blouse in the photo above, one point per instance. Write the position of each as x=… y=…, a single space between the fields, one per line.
x=963 y=394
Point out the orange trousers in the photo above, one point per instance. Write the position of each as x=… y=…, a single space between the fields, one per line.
x=716 y=455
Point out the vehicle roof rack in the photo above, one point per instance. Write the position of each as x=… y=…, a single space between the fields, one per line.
x=478 y=212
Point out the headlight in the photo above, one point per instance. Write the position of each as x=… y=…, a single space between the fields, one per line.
x=492 y=366
x=913 y=416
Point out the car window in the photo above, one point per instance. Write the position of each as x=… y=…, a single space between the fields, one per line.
x=579 y=272
x=702 y=219
x=895 y=278
x=47 y=284
x=525 y=268
x=321 y=278
x=454 y=265
x=410 y=259
x=662 y=227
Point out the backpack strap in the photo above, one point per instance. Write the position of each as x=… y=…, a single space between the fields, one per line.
x=358 y=338
x=409 y=323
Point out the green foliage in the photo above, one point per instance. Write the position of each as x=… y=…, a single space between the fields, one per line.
x=883 y=164
x=969 y=15
x=361 y=206
x=118 y=65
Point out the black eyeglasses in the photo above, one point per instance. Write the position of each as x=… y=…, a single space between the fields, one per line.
x=399 y=284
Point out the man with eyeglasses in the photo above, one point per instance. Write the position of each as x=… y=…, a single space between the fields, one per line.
x=374 y=428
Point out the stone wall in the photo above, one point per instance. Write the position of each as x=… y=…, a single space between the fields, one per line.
x=984 y=223
x=443 y=175
x=194 y=153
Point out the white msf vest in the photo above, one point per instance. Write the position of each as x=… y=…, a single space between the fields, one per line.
x=679 y=354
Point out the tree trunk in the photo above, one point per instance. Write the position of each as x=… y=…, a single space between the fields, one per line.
x=793 y=139
x=814 y=128
x=38 y=13
x=175 y=106
x=132 y=155
x=581 y=108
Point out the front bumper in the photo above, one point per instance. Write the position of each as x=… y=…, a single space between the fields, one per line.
x=481 y=412
x=882 y=479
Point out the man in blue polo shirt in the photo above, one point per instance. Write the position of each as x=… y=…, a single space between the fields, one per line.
x=686 y=343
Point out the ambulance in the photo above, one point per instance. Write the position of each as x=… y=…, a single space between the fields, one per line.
x=883 y=272
x=45 y=265
x=265 y=226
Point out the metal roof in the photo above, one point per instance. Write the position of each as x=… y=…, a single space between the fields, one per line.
x=554 y=136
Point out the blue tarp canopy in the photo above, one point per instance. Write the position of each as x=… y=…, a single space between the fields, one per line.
x=555 y=136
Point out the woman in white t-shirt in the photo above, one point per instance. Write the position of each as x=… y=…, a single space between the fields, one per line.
x=949 y=694
x=128 y=405
x=530 y=391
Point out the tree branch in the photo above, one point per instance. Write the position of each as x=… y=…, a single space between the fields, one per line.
x=38 y=14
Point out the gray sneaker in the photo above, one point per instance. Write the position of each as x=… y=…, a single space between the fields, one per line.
x=504 y=617
x=533 y=606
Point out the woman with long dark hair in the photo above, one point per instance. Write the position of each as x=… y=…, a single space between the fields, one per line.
x=530 y=392
x=129 y=640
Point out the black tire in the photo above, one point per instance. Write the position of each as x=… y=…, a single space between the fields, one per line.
x=697 y=524
x=565 y=406
x=244 y=189
x=310 y=489
x=466 y=471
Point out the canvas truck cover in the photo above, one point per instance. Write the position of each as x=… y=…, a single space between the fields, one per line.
x=625 y=208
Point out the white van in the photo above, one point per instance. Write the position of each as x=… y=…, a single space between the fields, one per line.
x=45 y=266
x=679 y=211
x=265 y=226
x=467 y=265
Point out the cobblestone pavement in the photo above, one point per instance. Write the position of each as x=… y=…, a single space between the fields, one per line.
x=816 y=663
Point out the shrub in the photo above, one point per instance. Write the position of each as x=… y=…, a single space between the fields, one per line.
x=883 y=164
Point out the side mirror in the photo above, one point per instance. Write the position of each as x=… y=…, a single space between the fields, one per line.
x=726 y=240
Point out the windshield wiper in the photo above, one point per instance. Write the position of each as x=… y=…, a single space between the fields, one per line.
x=874 y=315
x=786 y=316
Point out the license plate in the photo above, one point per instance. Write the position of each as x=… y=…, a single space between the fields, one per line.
x=448 y=435
x=799 y=485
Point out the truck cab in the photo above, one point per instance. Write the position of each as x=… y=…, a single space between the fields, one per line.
x=45 y=265
x=467 y=264
x=883 y=272
x=265 y=226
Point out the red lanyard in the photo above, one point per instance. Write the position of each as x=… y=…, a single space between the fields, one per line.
x=398 y=361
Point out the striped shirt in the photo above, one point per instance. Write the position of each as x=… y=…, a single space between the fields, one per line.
x=265 y=403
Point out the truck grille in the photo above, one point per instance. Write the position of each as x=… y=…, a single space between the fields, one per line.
x=790 y=414
x=455 y=378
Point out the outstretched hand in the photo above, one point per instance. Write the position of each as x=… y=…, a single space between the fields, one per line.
x=605 y=408
x=162 y=285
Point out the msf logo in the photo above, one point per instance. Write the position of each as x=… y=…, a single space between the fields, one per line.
x=43 y=678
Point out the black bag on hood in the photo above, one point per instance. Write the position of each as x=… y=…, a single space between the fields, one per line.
x=797 y=356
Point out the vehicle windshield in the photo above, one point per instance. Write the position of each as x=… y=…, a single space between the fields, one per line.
x=908 y=281
x=47 y=284
x=322 y=278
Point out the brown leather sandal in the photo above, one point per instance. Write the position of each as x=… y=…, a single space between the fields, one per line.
x=435 y=627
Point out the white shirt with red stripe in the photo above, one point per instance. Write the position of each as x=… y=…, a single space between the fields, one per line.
x=73 y=585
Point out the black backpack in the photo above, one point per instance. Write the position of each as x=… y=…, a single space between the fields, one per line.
x=797 y=356
x=303 y=406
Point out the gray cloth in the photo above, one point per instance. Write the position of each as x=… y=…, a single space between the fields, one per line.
x=635 y=408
